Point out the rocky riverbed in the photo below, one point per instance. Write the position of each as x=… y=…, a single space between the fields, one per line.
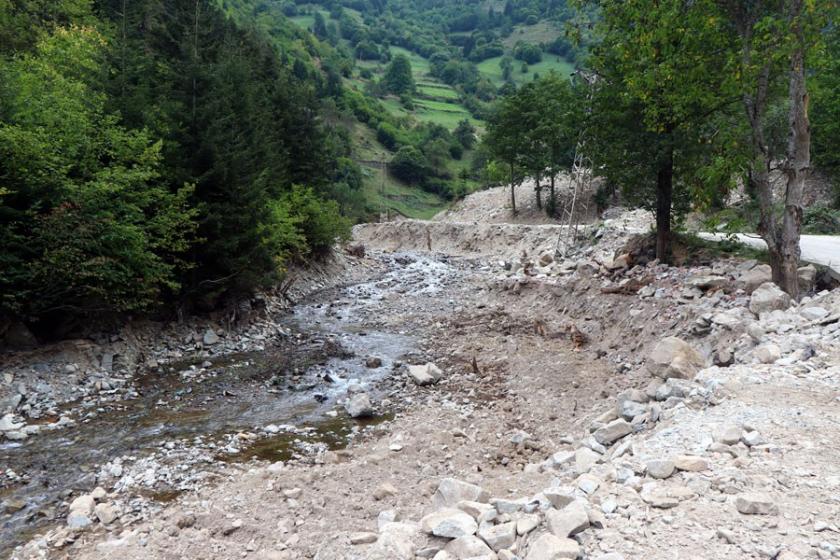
x=598 y=406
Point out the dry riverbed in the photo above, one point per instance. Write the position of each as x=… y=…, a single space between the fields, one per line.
x=552 y=401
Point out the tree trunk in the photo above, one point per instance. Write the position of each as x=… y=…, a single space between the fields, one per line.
x=553 y=194
x=798 y=162
x=512 y=191
x=538 y=189
x=664 y=197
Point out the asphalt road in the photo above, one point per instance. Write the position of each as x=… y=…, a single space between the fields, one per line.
x=817 y=249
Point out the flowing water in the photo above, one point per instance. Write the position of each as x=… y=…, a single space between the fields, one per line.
x=296 y=382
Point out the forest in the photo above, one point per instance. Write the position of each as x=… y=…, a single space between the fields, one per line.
x=166 y=157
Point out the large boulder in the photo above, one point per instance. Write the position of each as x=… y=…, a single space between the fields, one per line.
x=549 y=547
x=674 y=357
x=807 y=278
x=468 y=547
x=612 y=432
x=396 y=542
x=359 y=406
x=768 y=297
x=451 y=491
x=755 y=277
x=569 y=521
x=450 y=523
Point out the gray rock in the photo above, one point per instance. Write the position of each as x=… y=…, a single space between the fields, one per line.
x=585 y=459
x=396 y=542
x=755 y=277
x=708 y=282
x=673 y=357
x=730 y=435
x=503 y=505
x=527 y=523
x=756 y=504
x=612 y=432
x=807 y=278
x=660 y=468
x=475 y=509
x=630 y=409
x=767 y=353
x=469 y=546
x=549 y=547
x=106 y=513
x=78 y=521
x=450 y=491
x=363 y=538
x=499 y=536
x=560 y=496
x=768 y=297
x=450 y=523
x=210 y=338
x=753 y=438
x=359 y=406
x=84 y=505
x=814 y=313
x=569 y=521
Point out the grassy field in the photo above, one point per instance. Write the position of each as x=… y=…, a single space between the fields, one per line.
x=384 y=193
x=542 y=32
x=437 y=91
x=491 y=69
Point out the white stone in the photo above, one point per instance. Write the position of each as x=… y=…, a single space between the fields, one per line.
x=469 y=546
x=768 y=297
x=660 y=468
x=106 y=513
x=450 y=491
x=569 y=521
x=549 y=547
x=359 y=406
x=8 y=424
x=499 y=536
x=426 y=374
x=560 y=496
x=767 y=353
x=673 y=357
x=612 y=432
x=450 y=523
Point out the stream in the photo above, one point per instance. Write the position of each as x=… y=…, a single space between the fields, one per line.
x=296 y=382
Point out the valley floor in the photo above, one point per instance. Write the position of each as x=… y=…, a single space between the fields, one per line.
x=552 y=417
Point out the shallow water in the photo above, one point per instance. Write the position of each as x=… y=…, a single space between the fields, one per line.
x=290 y=384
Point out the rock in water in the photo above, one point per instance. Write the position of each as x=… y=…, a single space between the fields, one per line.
x=674 y=357
x=768 y=297
x=359 y=406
